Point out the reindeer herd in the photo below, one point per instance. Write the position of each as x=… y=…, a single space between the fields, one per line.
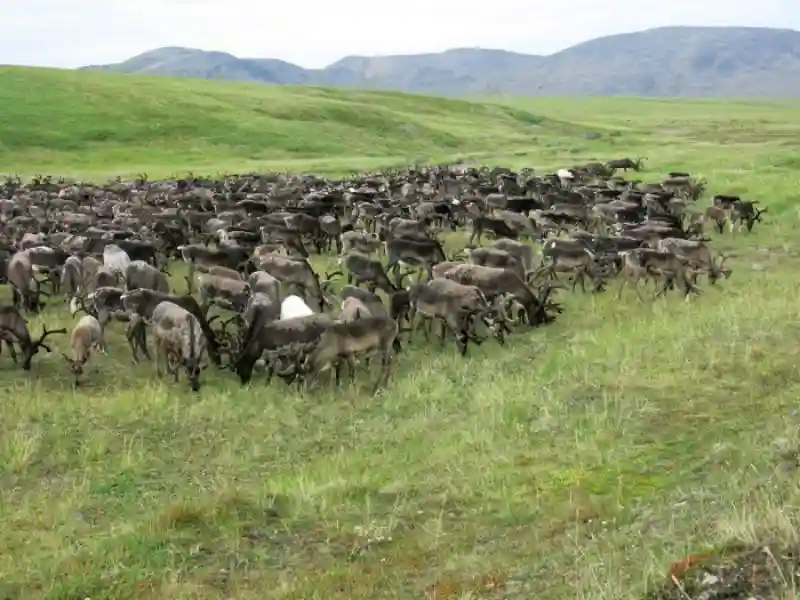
x=246 y=244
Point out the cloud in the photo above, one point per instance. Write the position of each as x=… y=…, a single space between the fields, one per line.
x=313 y=33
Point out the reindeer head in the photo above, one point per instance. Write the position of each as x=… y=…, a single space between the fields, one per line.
x=754 y=217
x=75 y=367
x=495 y=318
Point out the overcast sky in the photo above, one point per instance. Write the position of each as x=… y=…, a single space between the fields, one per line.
x=314 y=33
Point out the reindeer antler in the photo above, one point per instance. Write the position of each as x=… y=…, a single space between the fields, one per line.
x=45 y=332
x=325 y=284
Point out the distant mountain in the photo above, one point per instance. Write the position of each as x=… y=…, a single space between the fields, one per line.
x=666 y=61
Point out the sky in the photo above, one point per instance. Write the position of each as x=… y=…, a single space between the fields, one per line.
x=315 y=33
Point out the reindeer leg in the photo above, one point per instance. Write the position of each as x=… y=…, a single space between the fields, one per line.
x=12 y=351
x=462 y=340
x=130 y=335
x=269 y=369
x=415 y=322
x=383 y=377
x=395 y=271
x=141 y=340
x=622 y=285
x=667 y=281
x=337 y=373
x=159 y=357
x=190 y=278
x=442 y=331
x=579 y=278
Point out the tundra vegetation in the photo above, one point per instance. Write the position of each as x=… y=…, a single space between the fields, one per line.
x=597 y=401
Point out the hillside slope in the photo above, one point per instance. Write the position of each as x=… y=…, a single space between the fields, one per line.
x=101 y=123
x=666 y=61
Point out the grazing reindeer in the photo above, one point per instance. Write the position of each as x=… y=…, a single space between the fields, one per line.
x=745 y=213
x=25 y=287
x=87 y=335
x=625 y=164
x=347 y=340
x=697 y=254
x=414 y=253
x=669 y=268
x=264 y=334
x=495 y=282
x=178 y=337
x=634 y=269
x=457 y=305
x=571 y=256
x=297 y=272
x=363 y=269
x=141 y=303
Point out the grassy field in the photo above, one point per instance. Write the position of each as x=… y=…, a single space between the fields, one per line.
x=579 y=461
x=91 y=124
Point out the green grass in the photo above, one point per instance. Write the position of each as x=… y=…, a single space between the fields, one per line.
x=580 y=460
x=90 y=124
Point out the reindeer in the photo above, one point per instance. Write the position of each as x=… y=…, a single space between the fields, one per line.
x=366 y=243
x=265 y=283
x=495 y=282
x=570 y=256
x=352 y=309
x=141 y=274
x=495 y=257
x=71 y=278
x=290 y=271
x=230 y=294
x=457 y=305
x=697 y=254
x=745 y=213
x=347 y=340
x=625 y=164
x=178 y=338
x=87 y=335
x=522 y=252
x=26 y=289
x=413 y=253
x=263 y=335
x=363 y=269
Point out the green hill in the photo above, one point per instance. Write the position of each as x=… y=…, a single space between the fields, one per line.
x=73 y=121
